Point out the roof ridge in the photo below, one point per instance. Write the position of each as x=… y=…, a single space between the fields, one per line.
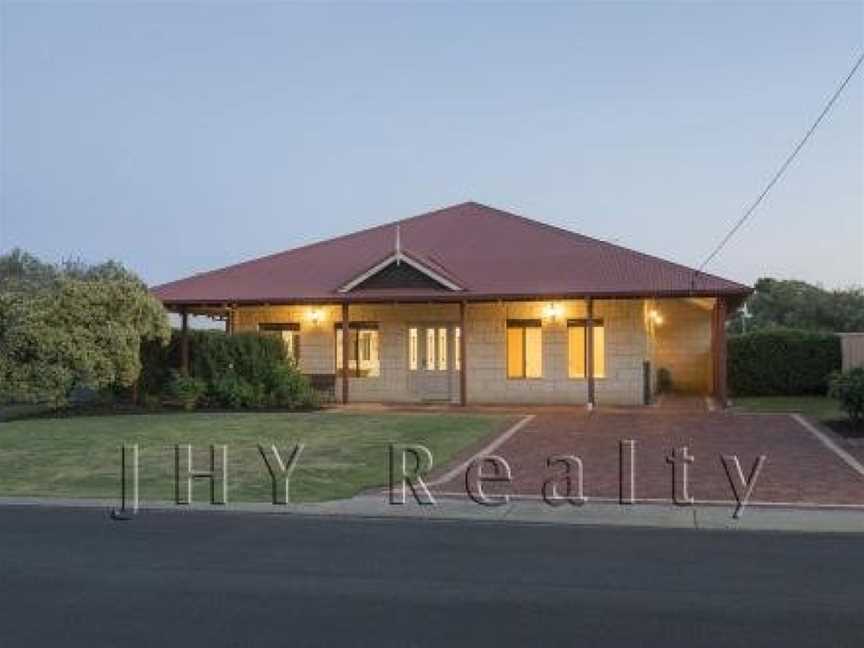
x=313 y=244
x=585 y=237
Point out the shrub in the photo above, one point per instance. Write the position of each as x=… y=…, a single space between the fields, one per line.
x=151 y=402
x=186 y=390
x=250 y=356
x=65 y=332
x=212 y=355
x=287 y=387
x=233 y=392
x=848 y=388
x=245 y=370
x=782 y=362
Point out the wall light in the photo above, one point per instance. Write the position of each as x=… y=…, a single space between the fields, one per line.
x=656 y=317
x=315 y=316
x=552 y=311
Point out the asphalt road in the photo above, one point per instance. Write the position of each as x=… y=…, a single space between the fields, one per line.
x=76 y=578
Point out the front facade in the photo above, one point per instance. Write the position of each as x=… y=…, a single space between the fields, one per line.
x=422 y=316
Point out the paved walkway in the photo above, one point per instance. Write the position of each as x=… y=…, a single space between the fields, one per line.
x=684 y=403
x=799 y=469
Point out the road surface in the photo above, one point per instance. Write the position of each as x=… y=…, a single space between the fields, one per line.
x=76 y=578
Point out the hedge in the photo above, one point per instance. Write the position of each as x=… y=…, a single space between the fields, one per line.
x=782 y=362
x=848 y=388
x=241 y=370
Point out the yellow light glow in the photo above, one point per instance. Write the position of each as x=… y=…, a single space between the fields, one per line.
x=315 y=316
x=552 y=311
x=656 y=317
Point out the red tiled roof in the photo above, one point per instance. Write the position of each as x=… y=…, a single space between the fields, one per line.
x=491 y=254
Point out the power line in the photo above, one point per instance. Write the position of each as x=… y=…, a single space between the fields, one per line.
x=784 y=166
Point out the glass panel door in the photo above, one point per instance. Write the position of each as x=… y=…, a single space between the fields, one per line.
x=431 y=361
x=429 y=365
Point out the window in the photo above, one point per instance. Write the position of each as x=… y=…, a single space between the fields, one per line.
x=457 y=349
x=289 y=333
x=431 y=344
x=412 y=349
x=524 y=349
x=442 y=349
x=363 y=356
x=577 y=351
x=429 y=365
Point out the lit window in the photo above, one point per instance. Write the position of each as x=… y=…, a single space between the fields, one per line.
x=289 y=333
x=577 y=351
x=430 y=349
x=442 y=349
x=457 y=349
x=412 y=349
x=435 y=348
x=363 y=353
x=599 y=351
x=524 y=349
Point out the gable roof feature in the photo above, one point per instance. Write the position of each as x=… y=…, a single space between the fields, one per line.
x=478 y=252
x=399 y=272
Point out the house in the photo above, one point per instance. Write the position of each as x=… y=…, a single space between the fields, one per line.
x=471 y=304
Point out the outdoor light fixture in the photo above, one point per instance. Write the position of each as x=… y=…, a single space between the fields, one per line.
x=656 y=317
x=552 y=311
x=315 y=316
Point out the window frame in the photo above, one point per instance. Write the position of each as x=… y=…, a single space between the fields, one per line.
x=413 y=348
x=430 y=351
x=440 y=344
x=356 y=328
x=281 y=327
x=457 y=348
x=442 y=340
x=583 y=324
x=523 y=325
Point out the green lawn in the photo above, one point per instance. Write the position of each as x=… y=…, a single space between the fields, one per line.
x=819 y=407
x=344 y=452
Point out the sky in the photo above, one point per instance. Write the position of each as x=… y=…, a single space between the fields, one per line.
x=179 y=138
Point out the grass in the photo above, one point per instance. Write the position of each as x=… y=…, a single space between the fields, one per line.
x=819 y=407
x=344 y=453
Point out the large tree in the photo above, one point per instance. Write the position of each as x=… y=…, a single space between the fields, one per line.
x=797 y=304
x=71 y=325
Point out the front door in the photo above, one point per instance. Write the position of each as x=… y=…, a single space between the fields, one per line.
x=433 y=361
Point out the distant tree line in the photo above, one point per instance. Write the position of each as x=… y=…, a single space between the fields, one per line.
x=792 y=304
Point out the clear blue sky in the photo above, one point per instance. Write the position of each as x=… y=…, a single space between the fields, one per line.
x=178 y=138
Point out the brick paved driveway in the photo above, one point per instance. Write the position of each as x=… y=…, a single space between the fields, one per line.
x=799 y=469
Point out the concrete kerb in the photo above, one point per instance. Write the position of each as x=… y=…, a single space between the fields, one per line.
x=517 y=511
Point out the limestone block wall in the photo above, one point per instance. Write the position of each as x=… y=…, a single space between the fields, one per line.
x=626 y=350
x=627 y=347
x=317 y=344
x=393 y=322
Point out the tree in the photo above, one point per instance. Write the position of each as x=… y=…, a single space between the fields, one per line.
x=69 y=326
x=21 y=271
x=779 y=303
